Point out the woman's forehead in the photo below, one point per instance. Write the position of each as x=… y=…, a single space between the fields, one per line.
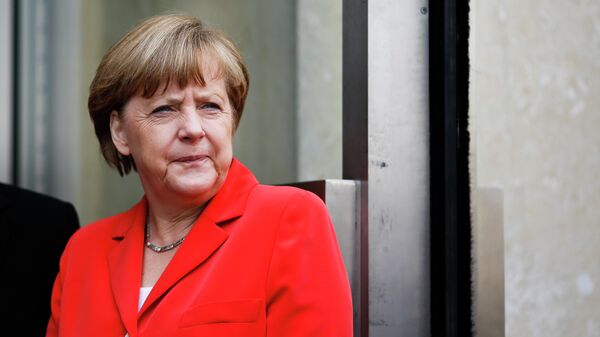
x=213 y=87
x=206 y=67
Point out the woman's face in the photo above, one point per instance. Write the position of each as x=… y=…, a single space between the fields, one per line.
x=181 y=140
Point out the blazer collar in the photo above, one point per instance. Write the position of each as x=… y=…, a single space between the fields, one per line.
x=230 y=201
x=125 y=260
x=228 y=204
x=125 y=264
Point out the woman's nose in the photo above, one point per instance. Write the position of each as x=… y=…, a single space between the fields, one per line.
x=191 y=128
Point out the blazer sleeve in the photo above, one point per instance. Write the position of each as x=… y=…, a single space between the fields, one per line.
x=55 y=307
x=308 y=292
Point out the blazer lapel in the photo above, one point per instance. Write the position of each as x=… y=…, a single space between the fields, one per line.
x=125 y=265
x=202 y=241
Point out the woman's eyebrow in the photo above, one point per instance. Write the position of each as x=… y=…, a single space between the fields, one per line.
x=176 y=99
x=170 y=100
x=208 y=95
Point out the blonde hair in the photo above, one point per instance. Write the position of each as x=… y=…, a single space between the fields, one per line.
x=154 y=53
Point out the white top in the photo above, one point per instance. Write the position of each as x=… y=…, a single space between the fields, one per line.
x=144 y=292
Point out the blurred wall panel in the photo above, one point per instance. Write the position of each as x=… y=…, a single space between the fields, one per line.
x=319 y=99
x=6 y=92
x=48 y=71
x=63 y=41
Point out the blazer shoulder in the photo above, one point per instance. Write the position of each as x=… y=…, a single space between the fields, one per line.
x=282 y=196
x=101 y=229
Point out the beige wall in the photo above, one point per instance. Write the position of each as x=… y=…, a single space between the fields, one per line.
x=319 y=99
x=535 y=107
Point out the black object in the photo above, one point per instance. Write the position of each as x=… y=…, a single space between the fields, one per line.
x=451 y=294
x=35 y=229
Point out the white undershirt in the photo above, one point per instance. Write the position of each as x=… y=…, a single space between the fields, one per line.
x=144 y=292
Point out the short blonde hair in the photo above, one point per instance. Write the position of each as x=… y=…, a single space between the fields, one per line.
x=157 y=51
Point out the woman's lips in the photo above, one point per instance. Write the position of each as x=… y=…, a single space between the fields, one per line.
x=191 y=159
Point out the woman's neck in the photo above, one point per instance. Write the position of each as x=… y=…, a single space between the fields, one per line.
x=168 y=223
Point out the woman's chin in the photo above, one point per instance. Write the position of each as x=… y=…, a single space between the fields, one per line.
x=194 y=187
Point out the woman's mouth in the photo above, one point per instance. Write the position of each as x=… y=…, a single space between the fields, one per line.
x=194 y=159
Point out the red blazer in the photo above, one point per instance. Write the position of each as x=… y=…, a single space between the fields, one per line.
x=259 y=261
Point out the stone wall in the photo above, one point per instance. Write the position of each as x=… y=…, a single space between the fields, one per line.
x=535 y=107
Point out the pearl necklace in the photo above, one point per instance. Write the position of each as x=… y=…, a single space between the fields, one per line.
x=159 y=249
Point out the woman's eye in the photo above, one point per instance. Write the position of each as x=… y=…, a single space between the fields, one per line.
x=162 y=108
x=210 y=106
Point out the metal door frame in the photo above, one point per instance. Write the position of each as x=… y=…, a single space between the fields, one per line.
x=451 y=275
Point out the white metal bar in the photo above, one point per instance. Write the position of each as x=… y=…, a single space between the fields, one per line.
x=398 y=192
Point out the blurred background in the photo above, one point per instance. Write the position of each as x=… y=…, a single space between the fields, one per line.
x=291 y=128
x=534 y=116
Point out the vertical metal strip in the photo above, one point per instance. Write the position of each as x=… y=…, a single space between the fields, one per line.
x=355 y=162
x=364 y=259
x=398 y=135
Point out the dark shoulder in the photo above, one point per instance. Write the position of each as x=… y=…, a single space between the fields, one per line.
x=46 y=222
x=32 y=208
x=22 y=198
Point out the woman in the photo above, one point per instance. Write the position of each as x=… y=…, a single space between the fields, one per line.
x=208 y=251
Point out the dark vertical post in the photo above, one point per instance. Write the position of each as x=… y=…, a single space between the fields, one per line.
x=355 y=137
x=450 y=190
x=355 y=129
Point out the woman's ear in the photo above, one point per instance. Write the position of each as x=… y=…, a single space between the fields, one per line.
x=118 y=134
